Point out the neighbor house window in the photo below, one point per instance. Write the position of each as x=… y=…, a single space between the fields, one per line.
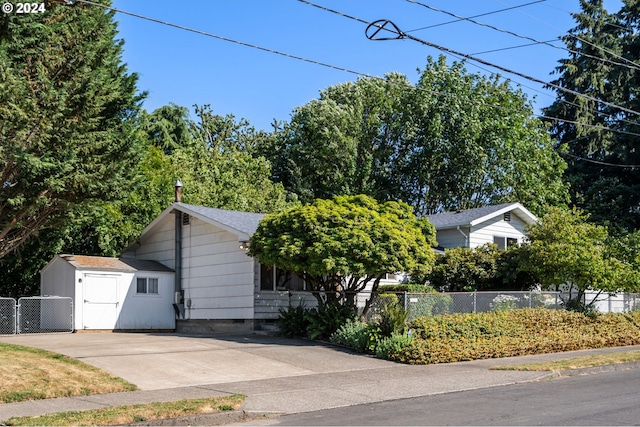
x=275 y=279
x=147 y=285
x=505 y=242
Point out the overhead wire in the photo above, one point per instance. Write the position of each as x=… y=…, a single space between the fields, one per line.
x=477 y=16
x=227 y=39
x=493 y=27
x=181 y=27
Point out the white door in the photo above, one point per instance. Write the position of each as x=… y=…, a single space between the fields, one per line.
x=100 y=308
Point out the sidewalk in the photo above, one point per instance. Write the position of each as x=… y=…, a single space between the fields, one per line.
x=367 y=380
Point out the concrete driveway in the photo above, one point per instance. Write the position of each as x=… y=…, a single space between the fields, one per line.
x=162 y=361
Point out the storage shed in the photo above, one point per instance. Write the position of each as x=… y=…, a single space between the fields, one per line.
x=112 y=293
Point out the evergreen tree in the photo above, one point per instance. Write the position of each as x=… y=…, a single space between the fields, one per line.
x=67 y=118
x=599 y=140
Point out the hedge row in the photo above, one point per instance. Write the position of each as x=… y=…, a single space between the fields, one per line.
x=458 y=337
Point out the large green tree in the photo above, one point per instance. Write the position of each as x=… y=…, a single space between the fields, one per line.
x=67 y=110
x=452 y=141
x=601 y=140
x=344 y=244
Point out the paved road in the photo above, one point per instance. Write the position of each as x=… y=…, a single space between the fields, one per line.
x=604 y=398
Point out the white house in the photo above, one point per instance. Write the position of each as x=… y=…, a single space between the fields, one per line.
x=216 y=286
x=502 y=224
x=112 y=293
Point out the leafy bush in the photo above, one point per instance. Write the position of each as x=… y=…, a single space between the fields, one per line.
x=326 y=319
x=293 y=321
x=393 y=316
x=391 y=346
x=504 y=302
x=353 y=334
x=457 y=337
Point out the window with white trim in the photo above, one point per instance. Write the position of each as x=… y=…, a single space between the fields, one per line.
x=147 y=285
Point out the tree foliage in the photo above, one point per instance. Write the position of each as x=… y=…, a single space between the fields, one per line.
x=452 y=141
x=67 y=110
x=483 y=268
x=565 y=249
x=600 y=139
x=343 y=244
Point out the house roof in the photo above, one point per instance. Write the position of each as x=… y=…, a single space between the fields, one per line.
x=86 y=262
x=242 y=224
x=476 y=216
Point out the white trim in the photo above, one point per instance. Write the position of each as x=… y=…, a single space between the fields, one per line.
x=517 y=208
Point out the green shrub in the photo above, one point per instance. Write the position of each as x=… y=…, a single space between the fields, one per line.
x=457 y=337
x=390 y=347
x=293 y=321
x=352 y=334
x=393 y=316
x=326 y=319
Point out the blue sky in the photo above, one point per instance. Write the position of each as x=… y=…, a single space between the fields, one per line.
x=181 y=67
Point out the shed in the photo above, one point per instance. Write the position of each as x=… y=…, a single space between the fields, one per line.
x=112 y=293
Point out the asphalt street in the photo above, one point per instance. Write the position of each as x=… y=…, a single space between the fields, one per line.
x=604 y=398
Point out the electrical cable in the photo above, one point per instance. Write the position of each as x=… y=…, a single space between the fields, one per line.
x=289 y=55
x=204 y=33
x=604 y=60
x=478 y=16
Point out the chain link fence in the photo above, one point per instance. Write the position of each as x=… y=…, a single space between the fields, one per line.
x=36 y=315
x=432 y=304
x=7 y=316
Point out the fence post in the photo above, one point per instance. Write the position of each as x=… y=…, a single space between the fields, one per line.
x=475 y=302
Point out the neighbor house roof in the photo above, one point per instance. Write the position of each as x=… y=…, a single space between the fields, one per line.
x=86 y=262
x=471 y=217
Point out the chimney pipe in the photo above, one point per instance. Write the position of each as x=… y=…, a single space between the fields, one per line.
x=178 y=187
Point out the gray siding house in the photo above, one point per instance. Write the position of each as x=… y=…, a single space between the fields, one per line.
x=217 y=287
x=503 y=225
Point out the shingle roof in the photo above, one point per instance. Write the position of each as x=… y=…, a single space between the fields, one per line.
x=473 y=216
x=86 y=262
x=245 y=222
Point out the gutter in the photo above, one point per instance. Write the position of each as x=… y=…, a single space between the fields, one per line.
x=466 y=238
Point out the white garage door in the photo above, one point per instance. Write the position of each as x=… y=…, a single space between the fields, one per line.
x=100 y=308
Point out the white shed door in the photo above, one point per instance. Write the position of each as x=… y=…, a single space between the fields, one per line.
x=100 y=308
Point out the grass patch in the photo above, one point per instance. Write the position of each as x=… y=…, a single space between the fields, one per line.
x=124 y=415
x=457 y=337
x=29 y=374
x=576 y=362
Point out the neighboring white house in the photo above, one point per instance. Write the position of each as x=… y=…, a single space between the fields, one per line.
x=216 y=286
x=112 y=293
x=502 y=224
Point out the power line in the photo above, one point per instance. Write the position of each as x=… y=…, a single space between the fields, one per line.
x=241 y=43
x=477 y=16
x=382 y=25
x=435 y=9
x=512 y=47
x=294 y=56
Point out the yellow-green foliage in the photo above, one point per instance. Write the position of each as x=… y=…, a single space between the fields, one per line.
x=457 y=337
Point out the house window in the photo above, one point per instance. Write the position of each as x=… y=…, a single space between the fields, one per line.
x=147 y=285
x=505 y=242
x=275 y=279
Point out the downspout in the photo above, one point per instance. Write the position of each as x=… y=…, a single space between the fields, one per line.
x=466 y=238
x=178 y=304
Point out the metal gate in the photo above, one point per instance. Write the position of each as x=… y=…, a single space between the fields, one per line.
x=36 y=315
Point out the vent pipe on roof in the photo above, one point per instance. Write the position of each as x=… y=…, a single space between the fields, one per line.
x=178 y=187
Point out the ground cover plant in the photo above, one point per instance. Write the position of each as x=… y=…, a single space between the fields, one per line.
x=29 y=374
x=458 y=337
